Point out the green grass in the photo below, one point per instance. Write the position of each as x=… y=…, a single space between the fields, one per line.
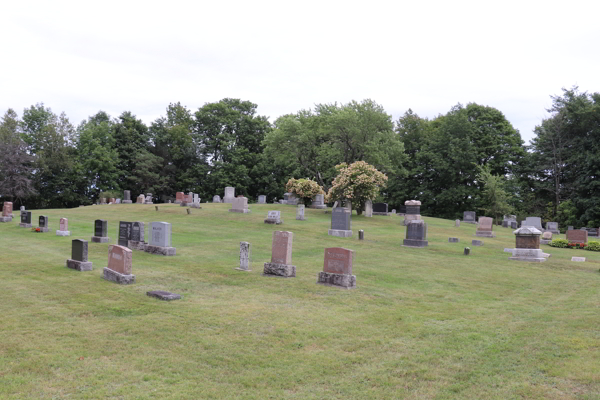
x=422 y=323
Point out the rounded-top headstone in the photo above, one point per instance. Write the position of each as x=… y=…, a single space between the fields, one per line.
x=412 y=203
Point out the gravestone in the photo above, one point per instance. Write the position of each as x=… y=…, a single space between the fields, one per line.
x=361 y=234
x=457 y=223
x=22 y=208
x=162 y=295
x=160 y=239
x=100 y=231
x=570 y=227
x=178 y=197
x=137 y=241
x=186 y=200
x=216 y=199
x=484 y=229
x=126 y=197
x=119 y=265
x=113 y=200
x=469 y=217
x=578 y=259
x=7 y=212
x=546 y=237
x=341 y=222
x=274 y=217
x=196 y=198
x=527 y=245
x=25 y=219
x=140 y=199
x=300 y=212
x=368 y=208
x=467 y=251
x=239 y=205
x=416 y=234
x=43 y=223
x=244 y=257
x=103 y=200
x=318 y=202
x=380 y=209
x=79 y=256
x=514 y=224
x=505 y=223
x=476 y=242
x=196 y=201
x=536 y=222
x=592 y=231
x=148 y=199
x=118 y=201
x=337 y=268
x=281 y=256
x=393 y=211
x=262 y=199
x=124 y=233
x=63 y=228
x=577 y=236
x=413 y=211
x=229 y=195
x=453 y=240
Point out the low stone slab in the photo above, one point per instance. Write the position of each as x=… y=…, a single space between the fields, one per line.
x=531 y=255
x=100 y=239
x=487 y=234
x=162 y=295
x=274 y=221
x=44 y=230
x=415 y=243
x=477 y=242
x=242 y=211
x=79 y=265
x=578 y=259
x=283 y=270
x=164 y=251
x=195 y=205
x=5 y=219
x=22 y=225
x=340 y=233
x=506 y=250
x=453 y=240
x=339 y=280
x=117 y=277
x=136 y=245
x=63 y=233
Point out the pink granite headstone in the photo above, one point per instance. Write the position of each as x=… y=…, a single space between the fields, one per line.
x=119 y=259
x=64 y=224
x=338 y=261
x=7 y=209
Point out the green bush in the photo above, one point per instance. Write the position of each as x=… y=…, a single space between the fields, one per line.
x=562 y=243
x=593 y=246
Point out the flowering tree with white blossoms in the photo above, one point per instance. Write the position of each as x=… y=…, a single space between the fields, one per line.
x=357 y=182
x=304 y=189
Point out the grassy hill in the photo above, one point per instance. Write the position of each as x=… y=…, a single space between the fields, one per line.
x=422 y=323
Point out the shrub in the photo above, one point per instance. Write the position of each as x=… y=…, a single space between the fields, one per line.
x=304 y=189
x=561 y=243
x=593 y=246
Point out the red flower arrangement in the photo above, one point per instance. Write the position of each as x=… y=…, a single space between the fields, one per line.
x=577 y=245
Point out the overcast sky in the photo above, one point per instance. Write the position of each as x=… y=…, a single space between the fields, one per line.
x=81 y=57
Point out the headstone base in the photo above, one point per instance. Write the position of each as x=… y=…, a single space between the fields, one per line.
x=340 y=233
x=242 y=269
x=544 y=241
x=531 y=255
x=469 y=222
x=5 y=219
x=284 y=270
x=415 y=243
x=126 y=201
x=162 y=295
x=300 y=219
x=63 y=233
x=194 y=205
x=148 y=202
x=22 y=225
x=100 y=239
x=117 y=277
x=339 y=280
x=177 y=201
x=79 y=265
x=244 y=211
x=228 y=200
x=274 y=221
x=44 y=230
x=164 y=251
x=381 y=213
x=485 y=234
x=135 y=245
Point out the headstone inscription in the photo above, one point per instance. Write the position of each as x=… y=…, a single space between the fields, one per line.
x=63 y=228
x=216 y=199
x=79 y=256
x=469 y=217
x=527 y=245
x=577 y=236
x=7 y=212
x=274 y=217
x=337 y=268
x=160 y=239
x=368 y=208
x=416 y=234
x=124 y=233
x=25 y=219
x=262 y=199
x=100 y=231
x=281 y=256
x=341 y=223
x=484 y=229
x=43 y=223
x=126 y=197
x=229 y=195
x=380 y=209
x=239 y=205
x=119 y=265
x=318 y=202
x=244 y=257
x=300 y=212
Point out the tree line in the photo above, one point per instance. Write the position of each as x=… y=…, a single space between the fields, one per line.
x=470 y=158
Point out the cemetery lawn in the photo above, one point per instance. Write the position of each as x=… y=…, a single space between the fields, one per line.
x=425 y=323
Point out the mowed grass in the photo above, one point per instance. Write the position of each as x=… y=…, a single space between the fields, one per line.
x=422 y=324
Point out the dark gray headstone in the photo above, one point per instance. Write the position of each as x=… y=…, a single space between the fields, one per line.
x=101 y=228
x=137 y=231
x=26 y=217
x=570 y=228
x=416 y=234
x=43 y=221
x=162 y=295
x=514 y=224
x=127 y=195
x=124 y=233
x=361 y=235
x=413 y=209
x=380 y=207
x=469 y=216
x=79 y=250
x=340 y=219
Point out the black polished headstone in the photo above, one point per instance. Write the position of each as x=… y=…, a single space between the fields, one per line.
x=79 y=250
x=124 y=233
x=380 y=207
x=137 y=232
x=340 y=219
x=413 y=210
x=101 y=228
x=43 y=221
x=26 y=217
